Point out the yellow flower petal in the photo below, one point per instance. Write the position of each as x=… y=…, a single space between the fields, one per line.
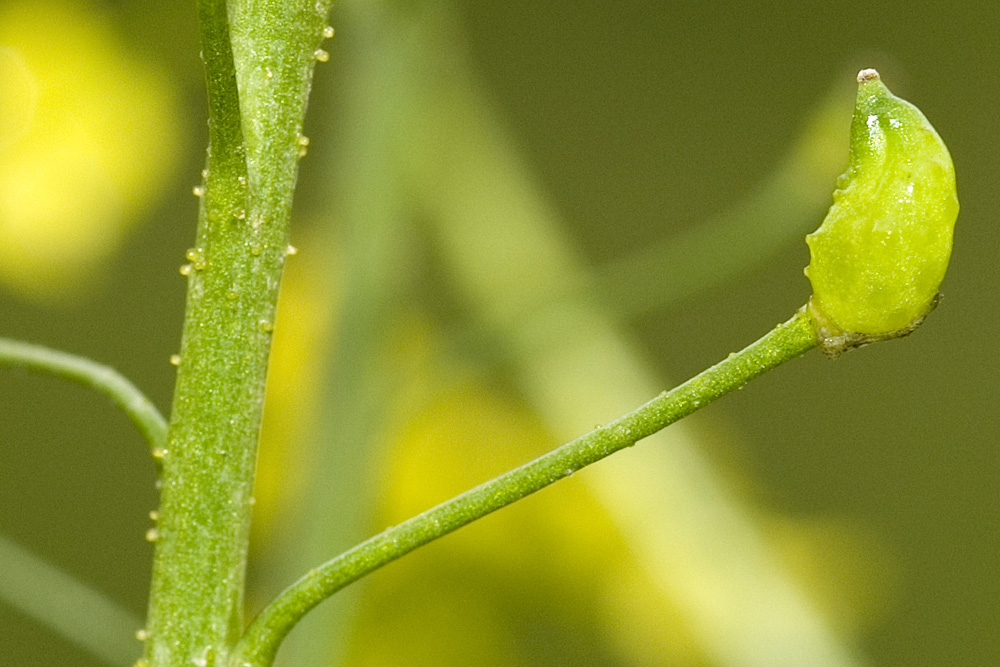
x=88 y=134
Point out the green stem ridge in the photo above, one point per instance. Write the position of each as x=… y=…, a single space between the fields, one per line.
x=275 y=46
x=224 y=122
x=104 y=379
x=260 y=643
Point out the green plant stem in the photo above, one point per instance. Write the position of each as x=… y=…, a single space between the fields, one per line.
x=258 y=71
x=91 y=374
x=259 y=645
x=70 y=608
x=196 y=595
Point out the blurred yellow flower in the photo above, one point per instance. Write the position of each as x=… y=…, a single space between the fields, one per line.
x=306 y=310
x=88 y=135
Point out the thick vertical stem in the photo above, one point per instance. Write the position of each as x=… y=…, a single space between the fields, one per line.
x=208 y=462
x=258 y=82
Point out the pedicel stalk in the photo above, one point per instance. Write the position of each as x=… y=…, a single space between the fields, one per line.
x=877 y=262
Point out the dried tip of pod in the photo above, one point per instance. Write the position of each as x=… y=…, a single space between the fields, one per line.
x=866 y=75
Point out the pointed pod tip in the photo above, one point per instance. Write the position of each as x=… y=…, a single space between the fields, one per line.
x=866 y=75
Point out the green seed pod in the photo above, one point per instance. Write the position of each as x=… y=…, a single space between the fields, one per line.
x=880 y=255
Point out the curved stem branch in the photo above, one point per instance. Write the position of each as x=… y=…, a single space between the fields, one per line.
x=260 y=643
x=91 y=374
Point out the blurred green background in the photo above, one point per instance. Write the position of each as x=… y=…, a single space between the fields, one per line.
x=515 y=221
